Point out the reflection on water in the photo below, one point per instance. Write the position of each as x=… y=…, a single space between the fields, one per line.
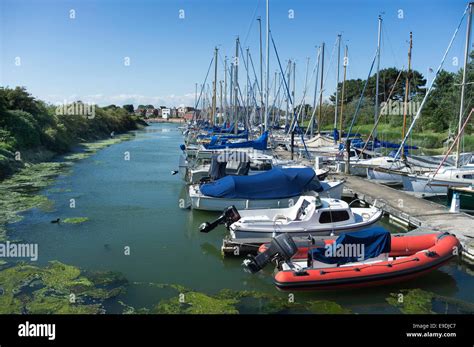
x=135 y=204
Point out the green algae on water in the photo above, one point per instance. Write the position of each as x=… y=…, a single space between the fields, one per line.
x=57 y=288
x=229 y=301
x=196 y=303
x=413 y=301
x=90 y=148
x=75 y=220
x=326 y=307
x=19 y=192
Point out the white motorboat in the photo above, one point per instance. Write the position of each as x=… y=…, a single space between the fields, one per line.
x=311 y=215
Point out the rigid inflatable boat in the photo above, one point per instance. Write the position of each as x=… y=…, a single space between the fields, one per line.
x=365 y=258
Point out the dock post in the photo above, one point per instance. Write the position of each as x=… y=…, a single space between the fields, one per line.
x=455 y=203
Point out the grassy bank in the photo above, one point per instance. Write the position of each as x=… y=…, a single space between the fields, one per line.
x=32 y=131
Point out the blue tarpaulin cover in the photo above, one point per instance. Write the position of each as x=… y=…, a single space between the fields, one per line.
x=259 y=144
x=241 y=135
x=374 y=243
x=274 y=184
x=378 y=144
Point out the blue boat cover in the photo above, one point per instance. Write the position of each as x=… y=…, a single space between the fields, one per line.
x=378 y=144
x=273 y=184
x=259 y=144
x=353 y=247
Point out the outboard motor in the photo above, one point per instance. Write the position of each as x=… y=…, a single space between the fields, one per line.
x=282 y=248
x=229 y=216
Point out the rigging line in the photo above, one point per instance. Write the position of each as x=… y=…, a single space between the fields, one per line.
x=245 y=64
x=385 y=35
x=326 y=77
x=288 y=91
x=418 y=113
x=202 y=88
x=379 y=117
x=330 y=63
x=277 y=94
x=304 y=93
x=359 y=103
x=315 y=99
x=251 y=22
x=255 y=75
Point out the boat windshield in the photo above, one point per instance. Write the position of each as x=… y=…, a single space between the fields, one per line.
x=318 y=202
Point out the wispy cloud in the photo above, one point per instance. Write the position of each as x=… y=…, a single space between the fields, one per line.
x=123 y=99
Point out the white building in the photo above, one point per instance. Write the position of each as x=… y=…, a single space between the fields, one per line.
x=165 y=113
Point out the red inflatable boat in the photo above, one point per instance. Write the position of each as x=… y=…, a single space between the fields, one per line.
x=409 y=256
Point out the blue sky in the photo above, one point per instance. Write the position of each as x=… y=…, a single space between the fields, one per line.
x=83 y=58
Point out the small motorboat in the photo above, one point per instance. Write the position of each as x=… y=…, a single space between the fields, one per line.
x=310 y=215
x=275 y=188
x=364 y=258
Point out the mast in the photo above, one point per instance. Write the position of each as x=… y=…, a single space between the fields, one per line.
x=341 y=117
x=247 y=101
x=267 y=79
x=463 y=85
x=195 y=95
x=236 y=87
x=221 y=107
x=201 y=87
x=274 y=98
x=303 y=113
x=214 y=89
x=407 y=93
x=321 y=90
x=231 y=92
x=279 y=101
x=287 y=98
x=315 y=91
x=225 y=86
x=261 y=66
x=376 y=114
x=337 y=84
x=294 y=91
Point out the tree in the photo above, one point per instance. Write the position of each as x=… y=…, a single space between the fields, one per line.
x=387 y=78
x=129 y=108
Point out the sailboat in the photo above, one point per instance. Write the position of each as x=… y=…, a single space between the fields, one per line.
x=443 y=178
x=422 y=174
x=275 y=188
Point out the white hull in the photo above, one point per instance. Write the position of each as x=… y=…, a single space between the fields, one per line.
x=182 y=167
x=419 y=184
x=447 y=177
x=269 y=230
x=383 y=176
